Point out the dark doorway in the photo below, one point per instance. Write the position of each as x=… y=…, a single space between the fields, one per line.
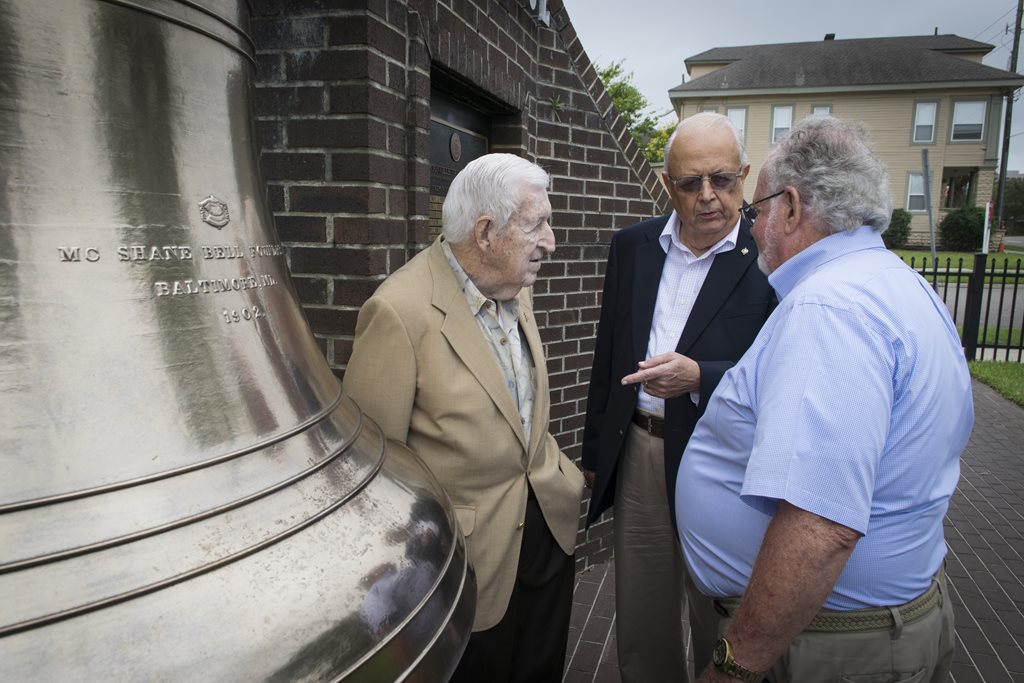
x=458 y=134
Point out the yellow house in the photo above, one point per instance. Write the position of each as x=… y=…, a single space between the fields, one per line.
x=914 y=93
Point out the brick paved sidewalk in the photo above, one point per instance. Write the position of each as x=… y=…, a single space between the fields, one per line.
x=985 y=532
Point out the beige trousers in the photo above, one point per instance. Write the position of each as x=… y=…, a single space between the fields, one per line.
x=917 y=652
x=649 y=568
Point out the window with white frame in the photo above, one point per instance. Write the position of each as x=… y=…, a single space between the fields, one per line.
x=709 y=108
x=968 y=121
x=924 y=121
x=782 y=121
x=821 y=110
x=738 y=116
x=915 y=192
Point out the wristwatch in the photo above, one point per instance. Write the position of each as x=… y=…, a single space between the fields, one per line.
x=723 y=661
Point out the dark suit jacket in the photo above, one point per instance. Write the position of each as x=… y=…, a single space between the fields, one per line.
x=733 y=303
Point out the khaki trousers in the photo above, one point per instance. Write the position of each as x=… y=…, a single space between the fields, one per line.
x=703 y=625
x=649 y=568
x=920 y=651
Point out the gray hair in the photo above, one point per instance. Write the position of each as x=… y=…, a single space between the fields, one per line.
x=707 y=121
x=491 y=185
x=840 y=180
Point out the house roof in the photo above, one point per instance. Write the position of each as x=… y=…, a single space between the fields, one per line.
x=884 y=63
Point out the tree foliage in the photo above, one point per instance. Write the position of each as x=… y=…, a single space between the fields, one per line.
x=654 y=150
x=635 y=111
x=1013 y=206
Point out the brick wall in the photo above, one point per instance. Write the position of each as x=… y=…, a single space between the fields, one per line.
x=343 y=117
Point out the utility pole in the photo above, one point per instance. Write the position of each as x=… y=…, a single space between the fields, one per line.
x=1004 y=157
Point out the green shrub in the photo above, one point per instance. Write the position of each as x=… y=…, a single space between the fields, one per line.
x=962 y=229
x=895 y=236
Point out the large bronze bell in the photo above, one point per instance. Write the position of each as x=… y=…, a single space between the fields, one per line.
x=185 y=495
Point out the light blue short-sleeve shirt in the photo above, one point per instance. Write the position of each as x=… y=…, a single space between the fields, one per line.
x=854 y=403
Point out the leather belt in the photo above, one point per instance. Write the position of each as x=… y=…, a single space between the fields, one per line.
x=861 y=619
x=652 y=424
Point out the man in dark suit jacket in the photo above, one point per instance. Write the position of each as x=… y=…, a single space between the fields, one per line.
x=683 y=299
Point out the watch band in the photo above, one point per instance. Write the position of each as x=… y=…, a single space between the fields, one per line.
x=724 y=662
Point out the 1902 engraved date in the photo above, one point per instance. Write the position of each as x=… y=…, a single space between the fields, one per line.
x=248 y=313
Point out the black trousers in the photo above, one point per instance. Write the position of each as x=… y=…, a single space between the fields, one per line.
x=528 y=644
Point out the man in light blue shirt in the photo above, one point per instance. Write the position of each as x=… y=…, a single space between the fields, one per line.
x=816 y=483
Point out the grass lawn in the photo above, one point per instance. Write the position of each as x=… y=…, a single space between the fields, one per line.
x=1006 y=336
x=1008 y=258
x=1006 y=378
x=955 y=260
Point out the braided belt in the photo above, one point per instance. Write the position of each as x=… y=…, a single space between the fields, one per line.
x=861 y=619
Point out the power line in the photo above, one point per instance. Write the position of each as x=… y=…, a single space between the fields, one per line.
x=999 y=35
x=1014 y=7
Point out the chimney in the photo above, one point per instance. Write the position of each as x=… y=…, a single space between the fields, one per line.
x=830 y=36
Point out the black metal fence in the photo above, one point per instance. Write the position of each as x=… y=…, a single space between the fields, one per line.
x=987 y=304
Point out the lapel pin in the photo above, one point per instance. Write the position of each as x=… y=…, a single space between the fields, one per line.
x=744 y=251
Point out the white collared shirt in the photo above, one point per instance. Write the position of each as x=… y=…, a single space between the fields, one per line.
x=499 y=323
x=681 y=279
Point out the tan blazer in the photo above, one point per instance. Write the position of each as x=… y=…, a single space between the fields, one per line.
x=423 y=371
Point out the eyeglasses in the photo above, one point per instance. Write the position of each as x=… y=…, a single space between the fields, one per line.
x=722 y=181
x=751 y=213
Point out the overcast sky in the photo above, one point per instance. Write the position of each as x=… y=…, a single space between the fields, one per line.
x=653 y=37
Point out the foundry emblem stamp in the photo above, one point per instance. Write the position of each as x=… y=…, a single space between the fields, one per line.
x=455 y=146
x=214 y=212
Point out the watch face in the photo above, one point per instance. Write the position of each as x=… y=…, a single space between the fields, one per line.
x=720 y=652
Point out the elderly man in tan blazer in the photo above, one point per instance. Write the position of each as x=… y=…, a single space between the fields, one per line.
x=448 y=360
